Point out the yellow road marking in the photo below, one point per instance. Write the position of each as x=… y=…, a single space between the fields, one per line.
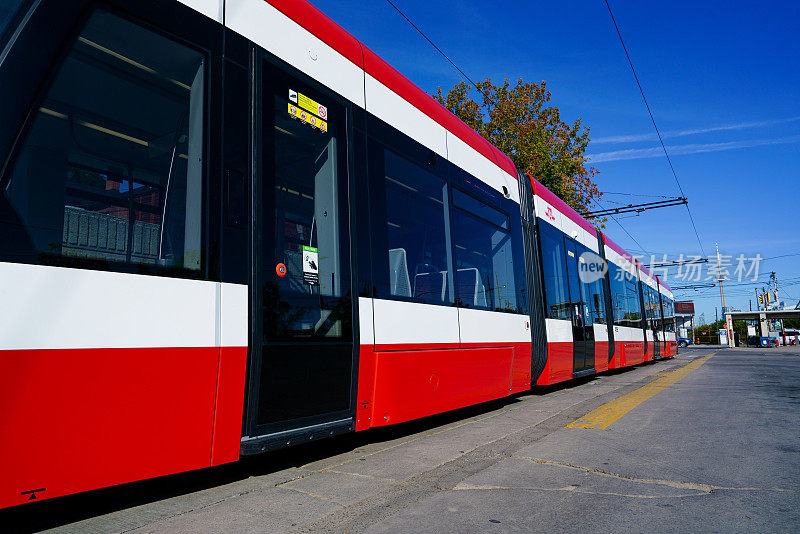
x=606 y=414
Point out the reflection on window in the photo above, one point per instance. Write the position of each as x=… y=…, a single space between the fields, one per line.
x=654 y=310
x=484 y=276
x=593 y=294
x=669 y=314
x=416 y=211
x=657 y=309
x=111 y=170
x=634 y=303
x=649 y=304
x=480 y=209
x=619 y=300
x=624 y=297
x=554 y=270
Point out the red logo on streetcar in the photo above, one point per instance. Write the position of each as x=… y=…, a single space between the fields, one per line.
x=280 y=270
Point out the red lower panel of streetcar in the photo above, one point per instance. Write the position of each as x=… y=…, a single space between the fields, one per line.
x=80 y=419
x=400 y=385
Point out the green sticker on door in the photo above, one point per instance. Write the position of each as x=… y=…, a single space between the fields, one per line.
x=310 y=266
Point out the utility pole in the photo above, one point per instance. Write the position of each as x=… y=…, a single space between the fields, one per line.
x=728 y=320
x=720 y=279
x=778 y=302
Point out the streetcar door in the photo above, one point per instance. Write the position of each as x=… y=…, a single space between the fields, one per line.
x=301 y=374
x=655 y=304
x=582 y=333
x=650 y=318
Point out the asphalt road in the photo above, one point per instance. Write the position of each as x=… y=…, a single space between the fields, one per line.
x=696 y=443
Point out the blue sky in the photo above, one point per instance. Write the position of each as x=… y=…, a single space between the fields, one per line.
x=722 y=79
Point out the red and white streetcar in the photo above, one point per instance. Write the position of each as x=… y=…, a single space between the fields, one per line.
x=229 y=227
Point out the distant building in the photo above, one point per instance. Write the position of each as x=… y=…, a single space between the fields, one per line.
x=684 y=317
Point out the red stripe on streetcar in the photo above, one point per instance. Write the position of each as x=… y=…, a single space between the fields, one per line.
x=545 y=194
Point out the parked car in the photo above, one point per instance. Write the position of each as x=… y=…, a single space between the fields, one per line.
x=684 y=342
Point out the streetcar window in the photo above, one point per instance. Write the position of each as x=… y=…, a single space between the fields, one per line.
x=634 y=312
x=554 y=270
x=304 y=221
x=111 y=171
x=659 y=309
x=669 y=314
x=416 y=225
x=619 y=299
x=648 y=306
x=655 y=308
x=650 y=302
x=656 y=303
x=593 y=294
x=484 y=270
x=624 y=297
x=480 y=209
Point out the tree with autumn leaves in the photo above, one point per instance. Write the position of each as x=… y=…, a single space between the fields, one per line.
x=521 y=122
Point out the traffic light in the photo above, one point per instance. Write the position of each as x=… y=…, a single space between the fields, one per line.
x=761 y=299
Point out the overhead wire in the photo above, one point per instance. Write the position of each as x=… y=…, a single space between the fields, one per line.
x=629 y=216
x=474 y=84
x=781 y=256
x=653 y=120
x=635 y=194
x=618 y=202
x=422 y=33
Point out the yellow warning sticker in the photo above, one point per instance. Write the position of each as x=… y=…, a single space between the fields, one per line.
x=307 y=117
x=308 y=104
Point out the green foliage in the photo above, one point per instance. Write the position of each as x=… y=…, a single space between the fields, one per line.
x=520 y=121
x=791 y=323
x=707 y=333
x=712 y=337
